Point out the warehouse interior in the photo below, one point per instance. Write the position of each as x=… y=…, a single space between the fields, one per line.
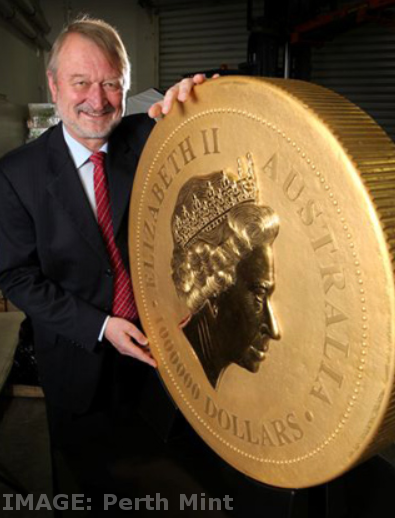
x=347 y=46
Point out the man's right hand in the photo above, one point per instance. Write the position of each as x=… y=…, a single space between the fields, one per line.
x=128 y=340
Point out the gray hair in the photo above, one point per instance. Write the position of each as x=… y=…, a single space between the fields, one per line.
x=103 y=35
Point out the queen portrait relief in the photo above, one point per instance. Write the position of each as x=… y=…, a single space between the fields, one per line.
x=222 y=268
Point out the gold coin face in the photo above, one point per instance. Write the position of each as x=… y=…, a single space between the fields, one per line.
x=260 y=240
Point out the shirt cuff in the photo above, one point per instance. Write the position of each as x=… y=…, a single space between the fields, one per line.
x=100 y=339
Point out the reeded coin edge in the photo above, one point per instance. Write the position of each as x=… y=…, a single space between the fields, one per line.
x=374 y=159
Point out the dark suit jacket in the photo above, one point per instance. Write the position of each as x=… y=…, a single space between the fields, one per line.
x=53 y=261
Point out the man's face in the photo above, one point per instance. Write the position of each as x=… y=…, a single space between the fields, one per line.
x=245 y=320
x=88 y=91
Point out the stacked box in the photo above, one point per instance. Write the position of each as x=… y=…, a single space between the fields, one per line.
x=41 y=117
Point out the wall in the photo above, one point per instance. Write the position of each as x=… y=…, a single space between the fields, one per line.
x=137 y=28
x=201 y=38
x=359 y=64
x=22 y=77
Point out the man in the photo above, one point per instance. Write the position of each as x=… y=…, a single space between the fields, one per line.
x=61 y=261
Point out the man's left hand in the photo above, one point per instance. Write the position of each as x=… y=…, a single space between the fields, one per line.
x=179 y=92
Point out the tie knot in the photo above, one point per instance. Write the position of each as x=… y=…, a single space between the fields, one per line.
x=98 y=158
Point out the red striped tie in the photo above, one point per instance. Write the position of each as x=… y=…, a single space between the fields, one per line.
x=123 y=300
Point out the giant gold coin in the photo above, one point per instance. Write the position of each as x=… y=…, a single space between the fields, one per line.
x=261 y=244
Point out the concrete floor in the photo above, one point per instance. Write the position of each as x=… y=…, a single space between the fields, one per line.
x=24 y=451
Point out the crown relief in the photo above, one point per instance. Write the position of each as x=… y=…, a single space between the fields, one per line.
x=208 y=211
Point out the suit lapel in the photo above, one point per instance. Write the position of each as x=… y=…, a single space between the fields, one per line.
x=121 y=166
x=65 y=185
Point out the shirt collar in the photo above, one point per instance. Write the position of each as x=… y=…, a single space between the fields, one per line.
x=79 y=153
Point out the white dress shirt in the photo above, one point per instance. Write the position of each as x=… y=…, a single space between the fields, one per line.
x=80 y=155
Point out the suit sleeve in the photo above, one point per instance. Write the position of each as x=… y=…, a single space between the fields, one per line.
x=23 y=282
